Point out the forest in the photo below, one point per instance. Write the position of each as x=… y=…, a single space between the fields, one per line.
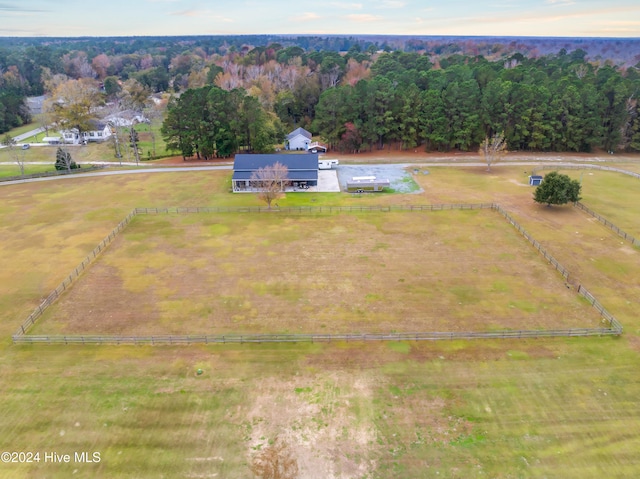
x=354 y=93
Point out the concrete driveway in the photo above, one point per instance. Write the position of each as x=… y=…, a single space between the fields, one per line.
x=328 y=181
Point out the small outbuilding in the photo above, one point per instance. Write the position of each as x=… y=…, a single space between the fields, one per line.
x=302 y=170
x=535 y=180
x=316 y=147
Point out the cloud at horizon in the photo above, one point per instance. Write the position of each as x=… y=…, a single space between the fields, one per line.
x=557 y=18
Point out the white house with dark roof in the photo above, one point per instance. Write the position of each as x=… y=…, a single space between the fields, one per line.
x=298 y=139
x=302 y=170
x=99 y=131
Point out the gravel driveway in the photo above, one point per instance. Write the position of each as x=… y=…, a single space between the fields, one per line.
x=400 y=176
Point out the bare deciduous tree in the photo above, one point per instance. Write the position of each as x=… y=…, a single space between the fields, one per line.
x=10 y=143
x=19 y=157
x=275 y=462
x=270 y=182
x=493 y=149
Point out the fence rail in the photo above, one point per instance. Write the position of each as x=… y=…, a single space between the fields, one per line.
x=20 y=336
x=299 y=338
x=31 y=319
x=563 y=271
x=606 y=315
x=312 y=209
x=609 y=224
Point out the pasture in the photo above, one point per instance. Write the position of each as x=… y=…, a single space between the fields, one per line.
x=266 y=273
x=495 y=408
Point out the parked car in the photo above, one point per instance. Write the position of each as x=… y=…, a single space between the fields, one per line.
x=25 y=146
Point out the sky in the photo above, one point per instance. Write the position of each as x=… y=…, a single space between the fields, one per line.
x=557 y=18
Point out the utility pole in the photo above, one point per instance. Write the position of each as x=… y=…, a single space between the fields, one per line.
x=134 y=143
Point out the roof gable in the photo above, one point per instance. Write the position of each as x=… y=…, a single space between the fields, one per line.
x=299 y=131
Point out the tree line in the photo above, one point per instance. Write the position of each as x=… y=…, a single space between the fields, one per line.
x=13 y=110
x=363 y=97
x=553 y=103
x=364 y=100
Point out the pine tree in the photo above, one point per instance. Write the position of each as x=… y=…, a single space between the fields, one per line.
x=64 y=161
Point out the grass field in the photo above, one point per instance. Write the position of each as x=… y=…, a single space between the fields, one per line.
x=10 y=171
x=338 y=274
x=145 y=140
x=23 y=129
x=501 y=409
x=80 y=154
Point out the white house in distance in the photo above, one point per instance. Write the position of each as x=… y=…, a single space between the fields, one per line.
x=99 y=131
x=298 y=139
x=103 y=130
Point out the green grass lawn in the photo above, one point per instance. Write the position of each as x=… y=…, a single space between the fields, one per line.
x=22 y=129
x=145 y=143
x=29 y=169
x=502 y=409
x=93 y=152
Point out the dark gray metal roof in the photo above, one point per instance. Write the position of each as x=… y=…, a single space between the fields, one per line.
x=305 y=175
x=303 y=161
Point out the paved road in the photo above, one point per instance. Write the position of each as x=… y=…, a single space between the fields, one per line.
x=19 y=139
x=169 y=169
x=28 y=134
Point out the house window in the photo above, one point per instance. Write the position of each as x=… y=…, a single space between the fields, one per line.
x=99 y=133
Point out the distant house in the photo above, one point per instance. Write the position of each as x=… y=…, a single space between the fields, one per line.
x=535 y=180
x=298 y=139
x=99 y=131
x=302 y=170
